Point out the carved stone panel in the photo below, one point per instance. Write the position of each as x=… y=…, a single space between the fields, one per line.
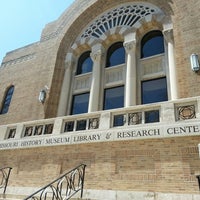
x=152 y=66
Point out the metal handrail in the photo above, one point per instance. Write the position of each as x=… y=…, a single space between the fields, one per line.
x=5 y=173
x=198 y=178
x=64 y=187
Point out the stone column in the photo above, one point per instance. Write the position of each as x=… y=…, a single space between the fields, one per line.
x=131 y=72
x=97 y=56
x=66 y=85
x=168 y=35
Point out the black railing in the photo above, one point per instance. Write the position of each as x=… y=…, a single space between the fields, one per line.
x=63 y=188
x=4 y=177
x=198 y=178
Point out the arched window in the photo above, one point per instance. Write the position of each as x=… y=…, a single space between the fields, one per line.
x=7 y=100
x=152 y=44
x=115 y=55
x=154 y=85
x=84 y=63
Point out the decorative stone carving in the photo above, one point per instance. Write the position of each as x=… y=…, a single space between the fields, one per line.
x=114 y=75
x=82 y=82
x=125 y=15
x=129 y=46
x=153 y=65
x=97 y=56
x=186 y=112
x=168 y=34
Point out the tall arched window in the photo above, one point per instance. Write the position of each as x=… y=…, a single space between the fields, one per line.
x=152 y=44
x=153 y=88
x=114 y=88
x=7 y=100
x=115 y=55
x=84 y=63
x=80 y=97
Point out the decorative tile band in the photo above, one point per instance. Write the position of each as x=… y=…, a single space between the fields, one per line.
x=18 y=60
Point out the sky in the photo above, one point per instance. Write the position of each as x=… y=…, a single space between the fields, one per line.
x=22 y=21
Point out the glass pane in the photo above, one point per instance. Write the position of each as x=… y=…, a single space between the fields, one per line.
x=118 y=120
x=84 y=64
x=154 y=91
x=69 y=126
x=81 y=125
x=152 y=116
x=114 y=98
x=80 y=104
x=116 y=55
x=152 y=44
x=87 y=65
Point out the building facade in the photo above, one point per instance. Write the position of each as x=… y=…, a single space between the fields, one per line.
x=111 y=84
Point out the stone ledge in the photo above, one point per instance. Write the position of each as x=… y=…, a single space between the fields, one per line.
x=16 y=193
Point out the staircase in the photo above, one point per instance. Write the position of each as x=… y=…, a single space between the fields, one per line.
x=68 y=186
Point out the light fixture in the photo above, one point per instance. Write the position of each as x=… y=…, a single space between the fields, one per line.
x=43 y=94
x=194 y=61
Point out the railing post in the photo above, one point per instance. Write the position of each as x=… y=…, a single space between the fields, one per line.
x=3 y=130
x=167 y=112
x=83 y=181
x=57 y=128
x=7 y=178
x=105 y=120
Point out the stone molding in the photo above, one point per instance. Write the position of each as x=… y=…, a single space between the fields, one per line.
x=139 y=132
x=112 y=194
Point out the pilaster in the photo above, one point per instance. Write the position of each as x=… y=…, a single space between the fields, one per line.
x=168 y=35
x=131 y=88
x=96 y=55
x=65 y=91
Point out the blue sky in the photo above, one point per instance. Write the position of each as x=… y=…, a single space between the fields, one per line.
x=22 y=21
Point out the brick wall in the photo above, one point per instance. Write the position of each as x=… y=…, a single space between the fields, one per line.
x=161 y=165
x=34 y=66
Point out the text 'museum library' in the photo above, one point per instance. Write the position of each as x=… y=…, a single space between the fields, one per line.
x=105 y=106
